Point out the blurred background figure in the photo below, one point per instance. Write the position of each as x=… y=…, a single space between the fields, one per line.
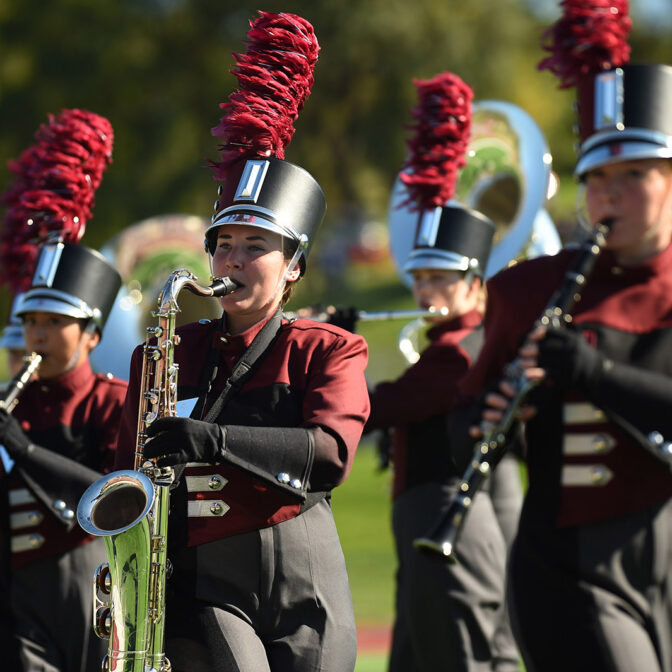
x=62 y=433
x=446 y=615
x=12 y=339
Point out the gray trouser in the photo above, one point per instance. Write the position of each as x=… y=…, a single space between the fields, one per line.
x=52 y=606
x=447 y=614
x=596 y=598
x=506 y=493
x=275 y=599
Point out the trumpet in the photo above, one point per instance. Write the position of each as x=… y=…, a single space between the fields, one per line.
x=16 y=386
x=442 y=538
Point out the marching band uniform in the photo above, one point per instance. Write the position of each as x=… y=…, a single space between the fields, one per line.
x=593 y=549
x=259 y=577
x=12 y=341
x=61 y=436
x=259 y=580
x=446 y=615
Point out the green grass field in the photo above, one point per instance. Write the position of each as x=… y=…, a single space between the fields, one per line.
x=361 y=508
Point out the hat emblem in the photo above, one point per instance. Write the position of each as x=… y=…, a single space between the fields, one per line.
x=251 y=181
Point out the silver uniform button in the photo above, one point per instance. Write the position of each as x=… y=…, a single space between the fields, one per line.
x=283 y=477
x=68 y=514
x=216 y=509
x=601 y=443
x=656 y=438
x=204 y=320
x=296 y=483
x=599 y=475
x=215 y=483
x=59 y=505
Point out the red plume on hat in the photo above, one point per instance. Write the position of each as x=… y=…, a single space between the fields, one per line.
x=52 y=194
x=275 y=77
x=591 y=36
x=439 y=144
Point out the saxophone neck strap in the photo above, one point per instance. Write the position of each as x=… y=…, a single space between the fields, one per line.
x=241 y=371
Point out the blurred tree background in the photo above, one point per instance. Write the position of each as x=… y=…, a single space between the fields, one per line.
x=158 y=69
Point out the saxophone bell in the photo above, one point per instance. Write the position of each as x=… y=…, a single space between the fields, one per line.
x=117 y=507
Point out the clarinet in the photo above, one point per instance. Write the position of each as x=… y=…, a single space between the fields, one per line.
x=442 y=538
x=31 y=363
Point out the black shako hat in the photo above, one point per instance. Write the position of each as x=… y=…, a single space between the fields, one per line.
x=452 y=238
x=624 y=114
x=447 y=234
x=72 y=280
x=271 y=194
x=12 y=333
x=259 y=188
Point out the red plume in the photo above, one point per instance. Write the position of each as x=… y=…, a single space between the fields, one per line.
x=53 y=190
x=590 y=37
x=275 y=77
x=438 y=148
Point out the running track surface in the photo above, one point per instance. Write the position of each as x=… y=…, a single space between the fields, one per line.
x=374 y=638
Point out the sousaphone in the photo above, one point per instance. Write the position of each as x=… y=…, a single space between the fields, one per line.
x=145 y=254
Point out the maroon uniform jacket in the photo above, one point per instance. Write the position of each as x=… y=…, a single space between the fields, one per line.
x=417 y=403
x=76 y=416
x=590 y=456
x=312 y=375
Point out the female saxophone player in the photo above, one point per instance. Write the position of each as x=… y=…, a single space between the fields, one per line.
x=259 y=580
x=590 y=570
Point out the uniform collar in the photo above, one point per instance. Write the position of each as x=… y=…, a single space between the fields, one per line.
x=68 y=382
x=224 y=340
x=660 y=263
x=467 y=321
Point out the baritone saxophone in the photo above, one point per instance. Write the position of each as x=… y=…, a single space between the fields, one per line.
x=129 y=508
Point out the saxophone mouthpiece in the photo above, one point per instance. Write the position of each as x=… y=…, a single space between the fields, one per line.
x=222 y=286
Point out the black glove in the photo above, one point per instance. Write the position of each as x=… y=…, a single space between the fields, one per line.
x=568 y=359
x=12 y=437
x=345 y=318
x=181 y=440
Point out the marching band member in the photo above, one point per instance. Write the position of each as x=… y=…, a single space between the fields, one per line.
x=11 y=339
x=447 y=616
x=259 y=579
x=591 y=567
x=62 y=433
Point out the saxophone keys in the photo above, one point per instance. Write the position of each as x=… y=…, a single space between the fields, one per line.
x=103 y=622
